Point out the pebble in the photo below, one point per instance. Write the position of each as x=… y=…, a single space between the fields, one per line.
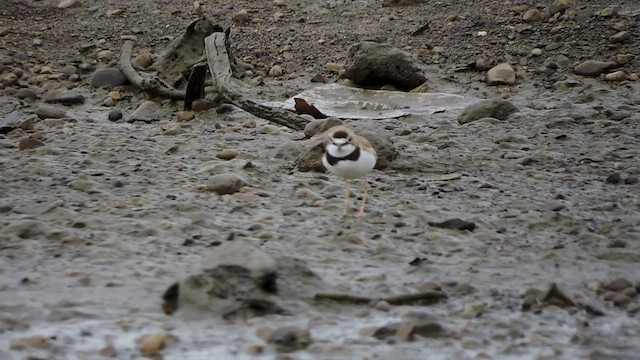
x=108 y=77
x=142 y=61
x=249 y=124
x=290 y=338
x=26 y=94
x=34 y=342
x=148 y=111
x=616 y=76
x=532 y=15
x=227 y=154
x=223 y=184
x=65 y=4
x=618 y=285
x=495 y=108
x=620 y=37
x=199 y=105
x=318 y=126
x=105 y=55
x=115 y=115
x=186 y=115
x=269 y=129
x=501 y=74
x=276 y=71
x=172 y=128
x=592 y=67
x=241 y=16
x=615 y=178
x=45 y=111
x=536 y=52
x=155 y=343
x=65 y=97
x=334 y=67
x=29 y=143
x=608 y=12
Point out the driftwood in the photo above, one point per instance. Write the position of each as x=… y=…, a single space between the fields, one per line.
x=235 y=92
x=153 y=85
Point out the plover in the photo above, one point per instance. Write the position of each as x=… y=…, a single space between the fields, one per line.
x=349 y=156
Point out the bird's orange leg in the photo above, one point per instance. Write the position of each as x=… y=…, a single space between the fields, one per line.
x=364 y=198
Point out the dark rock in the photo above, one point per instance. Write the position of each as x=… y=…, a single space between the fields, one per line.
x=631 y=180
x=375 y=64
x=29 y=143
x=317 y=78
x=111 y=77
x=65 y=97
x=531 y=298
x=290 y=338
x=391 y=3
x=26 y=94
x=618 y=285
x=455 y=224
x=115 y=115
x=407 y=330
x=593 y=67
x=495 y=108
x=225 y=108
x=615 y=178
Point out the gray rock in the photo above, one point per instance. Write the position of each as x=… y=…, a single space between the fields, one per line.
x=318 y=126
x=26 y=94
x=290 y=338
x=501 y=74
x=559 y=6
x=108 y=77
x=377 y=64
x=65 y=97
x=619 y=37
x=262 y=266
x=593 y=67
x=45 y=111
x=495 y=108
x=391 y=3
x=115 y=115
x=310 y=158
x=531 y=15
x=149 y=111
x=225 y=184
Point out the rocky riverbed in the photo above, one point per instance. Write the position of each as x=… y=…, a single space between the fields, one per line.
x=100 y=215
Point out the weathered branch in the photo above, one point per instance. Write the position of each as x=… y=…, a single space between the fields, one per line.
x=151 y=85
x=235 y=92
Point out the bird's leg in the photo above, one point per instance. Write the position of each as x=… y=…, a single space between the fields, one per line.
x=364 y=197
x=347 y=190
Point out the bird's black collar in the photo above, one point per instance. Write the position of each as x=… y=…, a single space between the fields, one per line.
x=354 y=156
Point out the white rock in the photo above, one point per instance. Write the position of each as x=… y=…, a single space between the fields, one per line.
x=276 y=71
x=501 y=74
x=65 y=4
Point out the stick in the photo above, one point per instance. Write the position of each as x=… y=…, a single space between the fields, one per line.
x=151 y=85
x=235 y=91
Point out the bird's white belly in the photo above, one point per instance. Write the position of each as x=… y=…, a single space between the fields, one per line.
x=352 y=169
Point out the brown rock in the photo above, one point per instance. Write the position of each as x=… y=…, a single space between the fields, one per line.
x=186 y=116
x=531 y=15
x=143 y=61
x=29 y=143
x=290 y=338
x=33 y=342
x=227 y=154
x=155 y=343
x=618 y=285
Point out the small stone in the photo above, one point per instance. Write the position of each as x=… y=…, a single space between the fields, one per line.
x=65 y=97
x=317 y=126
x=279 y=3
x=531 y=15
x=26 y=94
x=155 y=343
x=619 y=37
x=634 y=77
x=115 y=95
x=615 y=178
x=631 y=180
x=249 y=124
x=559 y=6
x=227 y=154
x=495 y=108
x=501 y=74
x=616 y=76
x=33 y=342
x=66 y=4
x=255 y=349
x=105 y=55
x=536 y=52
x=108 y=77
x=608 y=12
x=186 y=116
x=108 y=351
x=621 y=300
x=333 y=67
x=383 y=306
x=241 y=16
x=276 y=71
x=269 y=129
x=199 y=105
x=45 y=111
x=317 y=78
x=10 y=79
x=402 y=132
x=618 y=285
x=290 y=338
x=29 y=143
x=172 y=128
x=592 y=67
x=455 y=224
x=223 y=184
x=142 y=61
x=148 y=111
x=622 y=59
x=115 y=115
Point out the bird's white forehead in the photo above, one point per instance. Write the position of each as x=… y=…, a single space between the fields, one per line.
x=339 y=141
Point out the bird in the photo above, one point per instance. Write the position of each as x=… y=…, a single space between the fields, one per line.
x=349 y=156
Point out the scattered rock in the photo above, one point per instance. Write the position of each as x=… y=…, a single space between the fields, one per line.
x=186 y=115
x=532 y=15
x=317 y=126
x=223 y=184
x=45 y=111
x=501 y=74
x=454 y=224
x=376 y=64
x=615 y=178
x=408 y=330
x=26 y=94
x=241 y=16
x=153 y=344
x=29 y=143
x=616 y=76
x=290 y=338
x=142 y=61
x=276 y=71
x=494 y=108
x=115 y=115
x=111 y=77
x=65 y=97
x=65 y=4
x=592 y=67
x=559 y=6
x=391 y=3
x=148 y=112
x=32 y=342
x=172 y=128
x=557 y=297
x=618 y=285
x=620 y=37
x=227 y=154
